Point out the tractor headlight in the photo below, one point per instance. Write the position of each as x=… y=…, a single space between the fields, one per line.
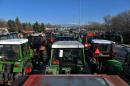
x=49 y=71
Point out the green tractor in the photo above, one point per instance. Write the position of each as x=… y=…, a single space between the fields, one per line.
x=67 y=57
x=15 y=58
x=101 y=56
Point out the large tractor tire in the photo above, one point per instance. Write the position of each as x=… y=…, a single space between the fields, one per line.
x=113 y=67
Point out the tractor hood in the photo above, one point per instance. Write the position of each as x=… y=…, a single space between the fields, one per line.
x=71 y=80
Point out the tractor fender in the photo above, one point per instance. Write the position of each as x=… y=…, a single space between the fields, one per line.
x=114 y=65
x=18 y=66
x=1 y=67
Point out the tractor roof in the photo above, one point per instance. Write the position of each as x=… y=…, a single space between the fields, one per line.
x=14 y=41
x=67 y=44
x=100 y=41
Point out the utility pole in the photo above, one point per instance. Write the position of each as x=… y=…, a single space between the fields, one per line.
x=79 y=14
x=79 y=20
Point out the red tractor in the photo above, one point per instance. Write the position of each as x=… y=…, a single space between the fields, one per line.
x=87 y=39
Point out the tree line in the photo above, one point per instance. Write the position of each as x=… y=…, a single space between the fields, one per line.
x=120 y=22
x=17 y=26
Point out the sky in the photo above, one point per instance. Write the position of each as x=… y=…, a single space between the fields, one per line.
x=61 y=11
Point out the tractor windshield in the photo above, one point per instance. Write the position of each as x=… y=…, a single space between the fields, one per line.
x=3 y=37
x=9 y=52
x=66 y=55
x=103 y=47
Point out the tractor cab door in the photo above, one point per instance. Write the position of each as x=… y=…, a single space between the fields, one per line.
x=25 y=51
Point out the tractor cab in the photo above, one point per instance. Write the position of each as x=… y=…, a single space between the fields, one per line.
x=102 y=48
x=36 y=40
x=67 y=57
x=15 y=58
x=100 y=52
